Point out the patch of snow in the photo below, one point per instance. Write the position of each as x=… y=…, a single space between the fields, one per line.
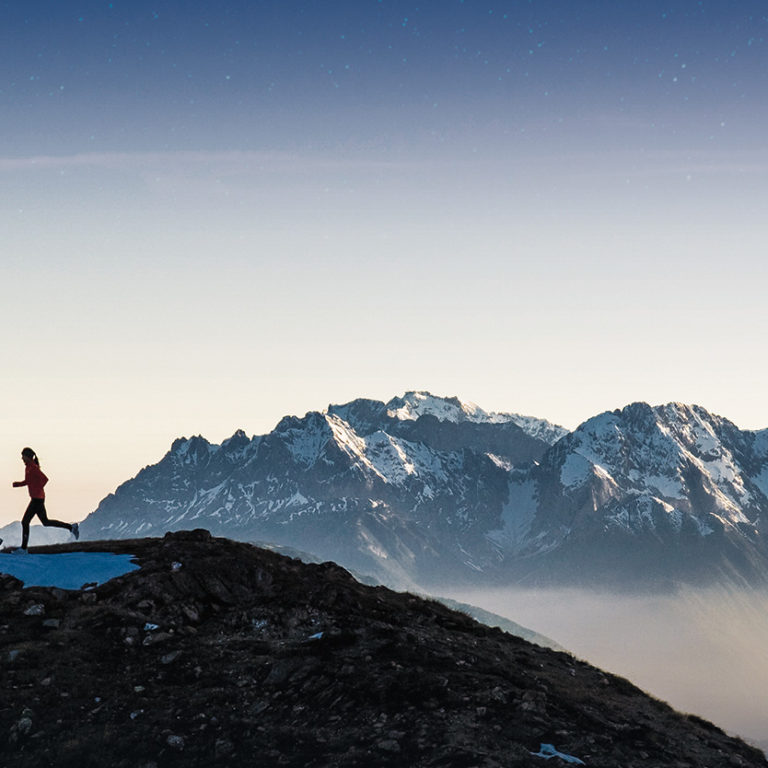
x=305 y=442
x=67 y=570
x=665 y=486
x=297 y=500
x=345 y=436
x=640 y=515
x=547 y=751
x=517 y=516
x=396 y=460
x=373 y=546
x=500 y=462
x=761 y=480
x=575 y=471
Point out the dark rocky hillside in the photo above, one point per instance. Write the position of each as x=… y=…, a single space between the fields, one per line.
x=217 y=653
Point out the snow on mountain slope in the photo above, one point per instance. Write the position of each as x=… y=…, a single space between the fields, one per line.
x=444 y=490
x=396 y=460
x=413 y=405
x=541 y=429
x=660 y=452
x=641 y=480
x=319 y=483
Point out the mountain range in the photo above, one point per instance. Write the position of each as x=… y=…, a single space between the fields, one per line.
x=433 y=491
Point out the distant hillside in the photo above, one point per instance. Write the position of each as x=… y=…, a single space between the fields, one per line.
x=38 y=535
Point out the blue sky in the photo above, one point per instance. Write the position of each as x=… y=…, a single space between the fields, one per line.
x=215 y=214
x=137 y=75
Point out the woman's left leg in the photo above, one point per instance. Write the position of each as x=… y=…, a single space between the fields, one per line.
x=44 y=519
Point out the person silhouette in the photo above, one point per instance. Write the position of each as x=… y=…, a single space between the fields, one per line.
x=35 y=481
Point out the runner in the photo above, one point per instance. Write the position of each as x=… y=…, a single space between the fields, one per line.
x=35 y=481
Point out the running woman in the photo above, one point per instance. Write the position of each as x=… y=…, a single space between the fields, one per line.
x=35 y=481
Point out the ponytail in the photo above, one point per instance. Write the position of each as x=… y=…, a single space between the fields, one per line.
x=30 y=454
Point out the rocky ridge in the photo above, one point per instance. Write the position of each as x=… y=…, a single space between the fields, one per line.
x=219 y=653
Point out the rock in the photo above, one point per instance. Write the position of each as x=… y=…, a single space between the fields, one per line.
x=175 y=742
x=222 y=748
x=156 y=638
x=389 y=745
x=24 y=726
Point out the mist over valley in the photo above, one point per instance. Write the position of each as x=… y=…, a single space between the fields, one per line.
x=702 y=650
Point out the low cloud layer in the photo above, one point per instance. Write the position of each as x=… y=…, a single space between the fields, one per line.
x=702 y=651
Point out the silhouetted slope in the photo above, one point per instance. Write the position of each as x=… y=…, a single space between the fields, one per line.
x=217 y=653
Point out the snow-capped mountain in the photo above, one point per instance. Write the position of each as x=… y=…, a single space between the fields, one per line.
x=403 y=497
x=433 y=490
x=664 y=492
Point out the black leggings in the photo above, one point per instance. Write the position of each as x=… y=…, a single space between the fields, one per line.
x=37 y=507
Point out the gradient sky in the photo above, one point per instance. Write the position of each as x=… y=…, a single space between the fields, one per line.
x=215 y=214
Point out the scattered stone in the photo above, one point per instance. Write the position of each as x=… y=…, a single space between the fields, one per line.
x=175 y=742
x=24 y=726
x=223 y=748
x=159 y=637
x=389 y=745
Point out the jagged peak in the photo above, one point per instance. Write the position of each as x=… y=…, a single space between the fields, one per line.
x=417 y=403
x=642 y=413
x=238 y=439
x=358 y=402
x=183 y=445
x=310 y=420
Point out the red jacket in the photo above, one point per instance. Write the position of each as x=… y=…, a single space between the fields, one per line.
x=34 y=479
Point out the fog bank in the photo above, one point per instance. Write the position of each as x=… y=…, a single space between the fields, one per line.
x=704 y=651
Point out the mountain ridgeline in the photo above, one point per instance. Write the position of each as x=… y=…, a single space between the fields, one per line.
x=433 y=491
